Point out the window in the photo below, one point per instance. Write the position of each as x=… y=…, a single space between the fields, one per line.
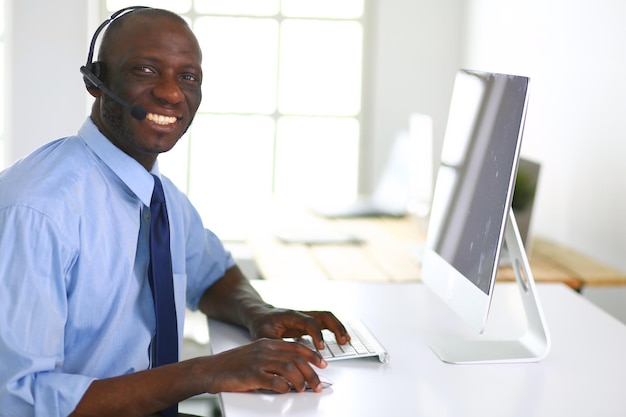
x=280 y=116
x=3 y=95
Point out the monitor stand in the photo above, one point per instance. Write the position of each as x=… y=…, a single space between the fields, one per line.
x=532 y=346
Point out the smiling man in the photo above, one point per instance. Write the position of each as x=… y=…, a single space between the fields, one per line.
x=160 y=70
x=79 y=316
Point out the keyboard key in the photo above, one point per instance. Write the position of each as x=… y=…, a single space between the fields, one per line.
x=359 y=345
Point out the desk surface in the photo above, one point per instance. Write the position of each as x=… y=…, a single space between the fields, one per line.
x=390 y=252
x=584 y=374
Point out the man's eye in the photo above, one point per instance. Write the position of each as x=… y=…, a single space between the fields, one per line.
x=146 y=70
x=191 y=78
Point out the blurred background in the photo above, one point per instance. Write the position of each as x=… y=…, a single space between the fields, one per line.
x=303 y=100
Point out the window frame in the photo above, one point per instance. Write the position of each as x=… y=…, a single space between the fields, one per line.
x=276 y=115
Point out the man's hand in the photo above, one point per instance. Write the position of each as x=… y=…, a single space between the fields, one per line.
x=266 y=364
x=234 y=300
x=275 y=323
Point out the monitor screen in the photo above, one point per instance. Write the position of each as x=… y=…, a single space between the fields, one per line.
x=474 y=188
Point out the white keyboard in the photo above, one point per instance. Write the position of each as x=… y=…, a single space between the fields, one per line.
x=362 y=344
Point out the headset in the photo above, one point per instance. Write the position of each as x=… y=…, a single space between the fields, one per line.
x=93 y=70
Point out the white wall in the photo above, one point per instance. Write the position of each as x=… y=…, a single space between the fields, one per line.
x=575 y=54
x=47 y=98
x=414 y=54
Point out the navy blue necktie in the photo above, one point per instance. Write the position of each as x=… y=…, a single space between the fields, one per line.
x=165 y=344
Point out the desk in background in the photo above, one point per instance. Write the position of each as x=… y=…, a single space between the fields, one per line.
x=584 y=374
x=390 y=252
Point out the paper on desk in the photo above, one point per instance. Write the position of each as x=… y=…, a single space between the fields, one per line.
x=312 y=237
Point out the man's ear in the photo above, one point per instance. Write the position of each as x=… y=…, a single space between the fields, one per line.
x=95 y=92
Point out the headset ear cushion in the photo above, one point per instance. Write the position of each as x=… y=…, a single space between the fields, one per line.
x=97 y=69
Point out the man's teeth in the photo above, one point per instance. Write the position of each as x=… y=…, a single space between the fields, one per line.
x=160 y=119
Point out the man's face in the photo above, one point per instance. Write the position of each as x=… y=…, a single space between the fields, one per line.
x=154 y=62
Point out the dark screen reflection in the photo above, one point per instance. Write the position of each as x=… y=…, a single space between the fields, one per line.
x=474 y=183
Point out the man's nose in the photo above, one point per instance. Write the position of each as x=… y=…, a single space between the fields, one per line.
x=168 y=91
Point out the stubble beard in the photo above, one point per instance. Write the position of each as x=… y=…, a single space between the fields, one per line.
x=116 y=119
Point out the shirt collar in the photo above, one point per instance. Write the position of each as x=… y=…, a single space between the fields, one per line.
x=131 y=172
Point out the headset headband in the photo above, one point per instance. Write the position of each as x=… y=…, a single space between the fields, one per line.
x=114 y=16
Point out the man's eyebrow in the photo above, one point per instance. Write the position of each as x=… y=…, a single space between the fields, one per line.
x=155 y=59
x=193 y=67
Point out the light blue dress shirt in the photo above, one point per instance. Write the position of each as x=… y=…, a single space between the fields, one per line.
x=75 y=303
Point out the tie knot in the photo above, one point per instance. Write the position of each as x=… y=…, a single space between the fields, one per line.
x=157 y=194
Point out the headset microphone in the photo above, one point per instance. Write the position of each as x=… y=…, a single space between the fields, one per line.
x=137 y=112
x=92 y=71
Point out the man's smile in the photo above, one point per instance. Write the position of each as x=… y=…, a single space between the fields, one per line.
x=161 y=119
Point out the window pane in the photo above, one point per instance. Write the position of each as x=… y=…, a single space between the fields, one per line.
x=316 y=159
x=238 y=7
x=231 y=170
x=178 y=6
x=320 y=67
x=346 y=9
x=235 y=159
x=240 y=61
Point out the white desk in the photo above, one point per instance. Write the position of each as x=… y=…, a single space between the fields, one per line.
x=584 y=374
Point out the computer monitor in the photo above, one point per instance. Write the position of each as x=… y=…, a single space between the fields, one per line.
x=471 y=216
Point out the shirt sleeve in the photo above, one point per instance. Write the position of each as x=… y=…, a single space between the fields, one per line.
x=207 y=262
x=34 y=262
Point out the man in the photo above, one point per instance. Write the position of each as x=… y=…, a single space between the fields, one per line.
x=77 y=316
